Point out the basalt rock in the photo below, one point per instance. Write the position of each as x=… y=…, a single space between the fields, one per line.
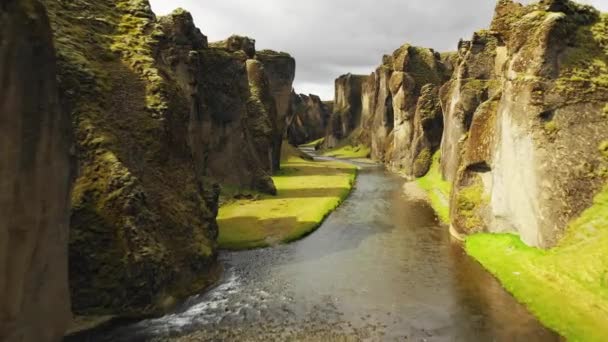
x=36 y=170
x=524 y=119
x=308 y=120
x=400 y=115
x=280 y=70
x=346 y=117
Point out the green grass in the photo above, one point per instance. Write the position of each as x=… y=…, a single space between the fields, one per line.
x=349 y=152
x=307 y=192
x=565 y=287
x=437 y=189
x=314 y=143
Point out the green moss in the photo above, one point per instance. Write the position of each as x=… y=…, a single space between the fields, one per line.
x=437 y=188
x=565 y=287
x=603 y=148
x=349 y=152
x=307 y=192
x=605 y=111
x=468 y=202
x=423 y=162
x=551 y=127
x=585 y=65
x=314 y=143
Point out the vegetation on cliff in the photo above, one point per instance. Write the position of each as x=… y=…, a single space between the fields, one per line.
x=307 y=191
x=437 y=189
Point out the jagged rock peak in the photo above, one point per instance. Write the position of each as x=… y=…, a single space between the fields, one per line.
x=180 y=28
x=236 y=43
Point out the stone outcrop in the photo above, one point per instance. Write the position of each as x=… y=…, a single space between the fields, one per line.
x=160 y=117
x=280 y=70
x=525 y=121
x=346 y=116
x=35 y=171
x=395 y=110
x=308 y=119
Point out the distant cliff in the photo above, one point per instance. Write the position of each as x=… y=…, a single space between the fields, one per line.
x=518 y=114
x=308 y=119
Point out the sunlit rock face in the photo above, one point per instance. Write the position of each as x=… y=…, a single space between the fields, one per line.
x=308 y=119
x=525 y=121
x=396 y=109
x=35 y=173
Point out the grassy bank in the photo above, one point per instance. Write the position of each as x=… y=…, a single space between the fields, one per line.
x=565 y=287
x=314 y=143
x=349 y=152
x=438 y=189
x=307 y=192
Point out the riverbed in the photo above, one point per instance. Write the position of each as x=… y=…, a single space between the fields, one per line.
x=381 y=267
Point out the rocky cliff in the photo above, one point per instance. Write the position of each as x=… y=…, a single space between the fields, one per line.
x=346 y=116
x=35 y=169
x=395 y=110
x=308 y=119
x=518 y=114
x=525 y=121
x=160 y=117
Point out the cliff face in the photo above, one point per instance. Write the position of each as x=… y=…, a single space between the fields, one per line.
x=525 y=121
x=518 y=113
x=308 y=119
x=35 y=169
x=160 y=116
x=395 y=110
x=346 y=116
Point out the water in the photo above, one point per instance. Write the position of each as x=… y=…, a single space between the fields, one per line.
x=381 y=268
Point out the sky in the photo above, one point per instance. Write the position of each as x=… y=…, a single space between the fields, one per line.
x=329 y=38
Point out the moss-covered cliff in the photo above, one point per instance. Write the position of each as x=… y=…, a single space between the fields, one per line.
x=160 y=117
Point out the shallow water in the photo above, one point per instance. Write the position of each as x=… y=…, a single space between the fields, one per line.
x=381 y=267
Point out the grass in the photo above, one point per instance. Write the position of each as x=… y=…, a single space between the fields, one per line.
x=438 y=189
x=565 y=287
x=349 y=152
x=307 y=192
x=314 y=143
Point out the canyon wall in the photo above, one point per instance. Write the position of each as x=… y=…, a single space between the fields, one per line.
x=35 y=173
x=518 y=114
x=395 y=110
x=525 y=121
x=160 y=116
x=307 y=120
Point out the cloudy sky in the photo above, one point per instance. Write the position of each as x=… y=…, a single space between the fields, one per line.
x=333 y=37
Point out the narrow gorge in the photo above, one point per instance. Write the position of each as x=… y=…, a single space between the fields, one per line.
x=158 y=185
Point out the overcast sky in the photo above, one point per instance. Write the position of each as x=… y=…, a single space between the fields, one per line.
x=329 y=38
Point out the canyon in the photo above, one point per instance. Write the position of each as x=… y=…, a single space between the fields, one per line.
x=134 y=130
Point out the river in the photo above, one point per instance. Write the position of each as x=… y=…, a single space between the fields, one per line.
x=380 y=268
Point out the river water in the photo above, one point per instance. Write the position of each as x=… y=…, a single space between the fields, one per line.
x=380 y=268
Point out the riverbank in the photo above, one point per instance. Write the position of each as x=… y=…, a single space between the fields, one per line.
x=438 y=190
x=565 y=287
x=307 y=192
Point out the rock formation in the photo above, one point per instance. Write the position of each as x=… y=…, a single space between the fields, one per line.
x=395 y=110
x=525 y=121
x=346 y=116
x=160 y=116
x=35 y=169
x=308 y=119
x=518 y=112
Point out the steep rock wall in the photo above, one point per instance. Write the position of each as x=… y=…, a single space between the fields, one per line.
x=160 y=116
x=35 y=170
x=529 y=158
x=346 y=116
x=308 y=119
